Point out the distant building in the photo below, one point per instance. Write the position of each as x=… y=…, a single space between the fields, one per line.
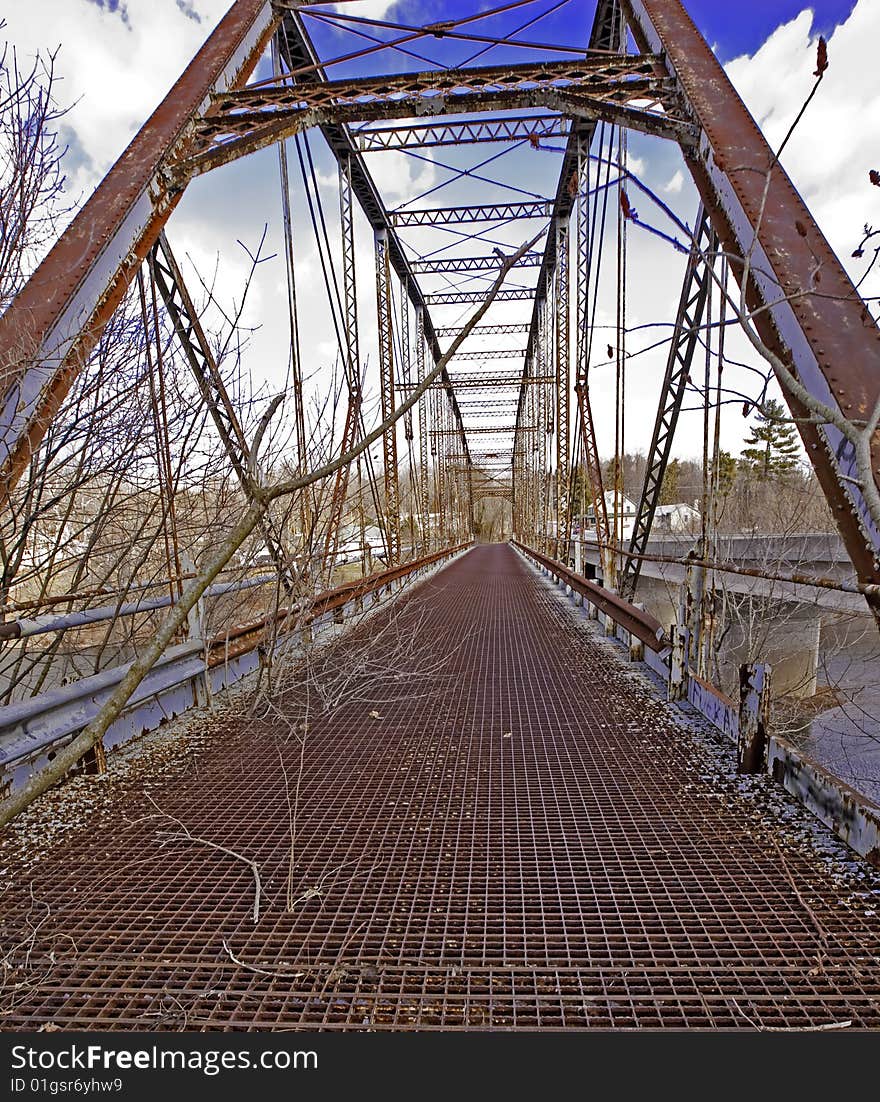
x=349 y=548
x=679 y=517
x=625 y=518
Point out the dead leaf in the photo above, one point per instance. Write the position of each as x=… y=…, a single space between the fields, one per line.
x=821 y=57
x=374 y=714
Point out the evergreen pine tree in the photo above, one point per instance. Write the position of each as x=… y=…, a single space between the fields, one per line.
x=726 y=475
x=773 y=446
x=669 y=485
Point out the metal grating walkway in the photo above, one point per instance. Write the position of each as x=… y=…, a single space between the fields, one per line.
x=523 y=838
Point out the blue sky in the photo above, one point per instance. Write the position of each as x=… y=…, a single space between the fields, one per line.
x=738 y=27
x=732 y=27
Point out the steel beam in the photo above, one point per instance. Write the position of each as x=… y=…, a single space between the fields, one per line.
x=386 y=377
x=494 y=354
x=452 y=216
x=589 y=444
x=473 y=379
x=352 y=368
x=489 y=263
x=563 y=376
x=484 y=330
x=685 y=335
x=461 y=132
x=464 y=298
x=500 y=430
x=424 y=484
x=596 y=87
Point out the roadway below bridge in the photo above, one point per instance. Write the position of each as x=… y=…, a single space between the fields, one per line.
x=819 y=555
x=468 y=812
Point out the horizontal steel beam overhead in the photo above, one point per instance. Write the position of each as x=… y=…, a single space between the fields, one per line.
x=49 y=331
x=489 y=263
x=500 y=430
x=462 y=298
x=828 y=338
x=477 y=407
x=485 y=330
x=487 y=381
x=298 y=52
x=494 y=354
x=463 y=132
x=492 y=212
x=596 y=71
x=237 y=127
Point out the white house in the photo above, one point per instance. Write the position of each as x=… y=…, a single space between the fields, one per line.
x=679 y=517
x=626 y=515
x=349 y=547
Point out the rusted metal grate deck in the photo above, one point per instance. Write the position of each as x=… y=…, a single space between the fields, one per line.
x=523 y=838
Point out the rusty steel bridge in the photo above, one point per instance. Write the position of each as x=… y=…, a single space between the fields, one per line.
x=339 y=762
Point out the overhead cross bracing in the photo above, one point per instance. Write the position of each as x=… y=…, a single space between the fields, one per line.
x=438 y=216
x=492 y=354
x=240 y=122
x=485 y=330
x=465 y=298
x=462 y=132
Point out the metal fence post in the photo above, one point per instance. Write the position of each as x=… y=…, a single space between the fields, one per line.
x=678 y=662
x=754 y=716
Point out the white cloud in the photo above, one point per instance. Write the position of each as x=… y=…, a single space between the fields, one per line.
x=836 y=143
x=367 y=9
x=399 y=177
x=113 y=70
x=636 y=165
x=674 y=185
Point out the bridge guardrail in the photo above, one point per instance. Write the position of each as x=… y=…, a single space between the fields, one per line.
x=31 y=731
x=639 y=623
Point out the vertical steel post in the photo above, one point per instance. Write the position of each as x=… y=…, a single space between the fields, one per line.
x=386 y=378
x=424 y=507
x=439 y=452
x=562 y=385
x=352 y=372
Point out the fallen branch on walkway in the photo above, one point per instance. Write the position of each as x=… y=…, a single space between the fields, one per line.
x=187 y=835
x=261 y=498
x=293 y=971
x=258 y=887
x=262 y=971
x=823 y=1028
